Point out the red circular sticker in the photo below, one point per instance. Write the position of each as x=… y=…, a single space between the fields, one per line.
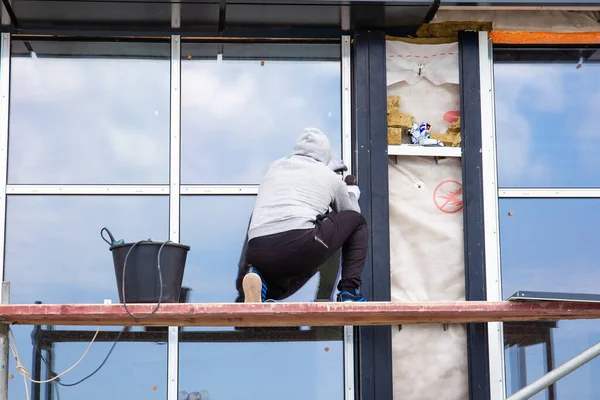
x=447 y=197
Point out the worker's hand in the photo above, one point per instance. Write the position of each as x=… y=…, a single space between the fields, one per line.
x=337 y=166
x=354 y=189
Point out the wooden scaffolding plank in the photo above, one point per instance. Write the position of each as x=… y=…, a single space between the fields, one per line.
x=296 y=314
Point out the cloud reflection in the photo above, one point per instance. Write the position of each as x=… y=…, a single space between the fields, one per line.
x=545 y=124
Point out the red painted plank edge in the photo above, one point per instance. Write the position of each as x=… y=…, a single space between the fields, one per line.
x=296 y=314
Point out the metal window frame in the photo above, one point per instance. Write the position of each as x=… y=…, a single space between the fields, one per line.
x=174 y=200
x=87 y=189
x=174 y=189
x=346 y=49
x=4 y=111
x=489 y=171
x=549 y=193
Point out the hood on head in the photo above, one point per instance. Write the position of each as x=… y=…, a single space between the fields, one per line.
x=314 y=144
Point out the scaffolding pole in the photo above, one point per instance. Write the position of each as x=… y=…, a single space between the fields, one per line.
x=557 y=373
x=4 y=299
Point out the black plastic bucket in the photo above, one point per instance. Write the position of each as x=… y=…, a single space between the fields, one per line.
x=142 y=281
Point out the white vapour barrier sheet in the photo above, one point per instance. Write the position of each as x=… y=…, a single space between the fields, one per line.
x=426 y=227
x=524 y=20
x=426 y=79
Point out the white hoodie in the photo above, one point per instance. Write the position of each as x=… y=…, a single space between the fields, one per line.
x=298 y=188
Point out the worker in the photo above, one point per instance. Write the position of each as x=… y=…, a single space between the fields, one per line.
x=304 y=213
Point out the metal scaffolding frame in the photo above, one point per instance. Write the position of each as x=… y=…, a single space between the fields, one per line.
x=45 y=337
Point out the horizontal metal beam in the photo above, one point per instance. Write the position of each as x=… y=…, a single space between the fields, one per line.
x=87 y=189
x=288 y=334
x=548 y=193
x=296 y=314
x=306 y=35
x=219 y=189
x=129 y=189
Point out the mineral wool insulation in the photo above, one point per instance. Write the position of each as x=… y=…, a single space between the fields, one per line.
x=426 y=226
x=524 y=20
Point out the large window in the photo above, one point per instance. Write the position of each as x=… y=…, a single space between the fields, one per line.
x=244 y=109
x=547 y=161
x=94 y=141
x=547 y=124
x=243 y=106
x=89 y=113
x=83 y=113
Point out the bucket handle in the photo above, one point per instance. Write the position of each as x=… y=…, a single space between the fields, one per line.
x=110 y=235
x=159 y=278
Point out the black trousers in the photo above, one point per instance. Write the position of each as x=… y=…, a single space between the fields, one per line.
x=288 y=260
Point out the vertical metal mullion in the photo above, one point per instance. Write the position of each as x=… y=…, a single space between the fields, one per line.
x=4 y=118
x=473 y=213
x=490 y=215
x=374 y=343
x=347 y=157
x=174 y=200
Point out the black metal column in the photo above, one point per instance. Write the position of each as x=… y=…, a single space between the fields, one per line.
x=374 y=344
x=475 y=289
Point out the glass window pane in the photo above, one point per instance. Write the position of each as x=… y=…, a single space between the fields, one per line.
x=546 y=125
x=215 y=228
x=54 y=254
x=550 y=245
x=89 y=113
x=132 y=370
x=243 y=112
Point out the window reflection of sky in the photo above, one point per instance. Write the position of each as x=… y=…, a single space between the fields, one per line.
x=216 y=238
x=548 y=137
x=237 y=116
x=54 y=254
x=96 y=121
x=89 y=121
x=550 y=245
x=547 y=124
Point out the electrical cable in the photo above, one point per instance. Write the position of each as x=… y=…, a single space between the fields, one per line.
x=27 y=376
x=99 y=367
x=159 y=278
x=95 y=371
